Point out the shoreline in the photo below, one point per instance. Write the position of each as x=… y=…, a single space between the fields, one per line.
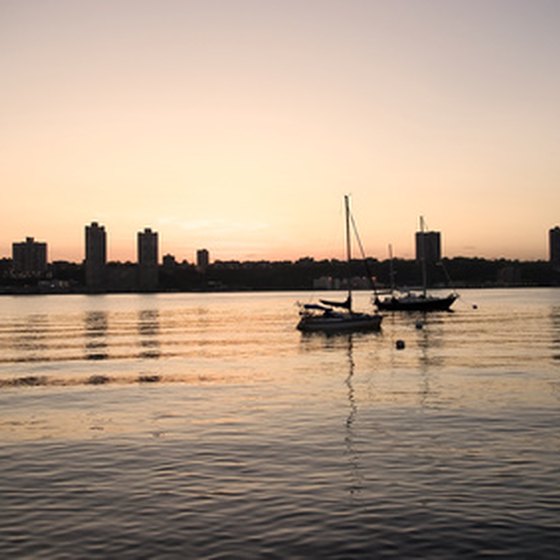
x=242 y=290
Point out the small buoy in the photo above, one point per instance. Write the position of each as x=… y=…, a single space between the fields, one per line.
x=419 y=325
x=475 y=306
x=400 y=344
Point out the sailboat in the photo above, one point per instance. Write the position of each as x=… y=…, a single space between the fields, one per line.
x=414 y=300
x=338 y=316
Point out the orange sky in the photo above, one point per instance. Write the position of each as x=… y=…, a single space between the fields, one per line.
x=239 y=125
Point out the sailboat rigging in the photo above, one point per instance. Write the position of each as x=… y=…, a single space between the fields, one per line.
x=416 y=301
x=338 y=316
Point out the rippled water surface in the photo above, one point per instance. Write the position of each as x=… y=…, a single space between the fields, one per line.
x=206 y=426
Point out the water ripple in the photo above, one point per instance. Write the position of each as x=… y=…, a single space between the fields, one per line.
x=207 y=427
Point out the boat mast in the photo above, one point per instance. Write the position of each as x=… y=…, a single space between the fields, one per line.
x=348 y=249
x=423 y=256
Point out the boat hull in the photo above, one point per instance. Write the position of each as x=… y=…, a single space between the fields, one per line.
x=419 y=303
x=355 y=322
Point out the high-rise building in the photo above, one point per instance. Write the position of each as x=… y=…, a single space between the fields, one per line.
x=29 y=257
x=96 y=257
x=202 y=260
x=554 y=245
x=147 y=247
x=428 y=246
x=147 y=260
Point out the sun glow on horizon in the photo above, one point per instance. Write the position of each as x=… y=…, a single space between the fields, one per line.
x=239 y=129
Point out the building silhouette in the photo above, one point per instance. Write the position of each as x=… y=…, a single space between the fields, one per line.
x=202 y=260
x=29 y=257
x=169 y=262
x=428 y=246
x=147 y=260
x=554 y=245
x=96 y=258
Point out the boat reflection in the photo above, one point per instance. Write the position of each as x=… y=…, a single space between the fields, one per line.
x=344 y=347
x=430 y=340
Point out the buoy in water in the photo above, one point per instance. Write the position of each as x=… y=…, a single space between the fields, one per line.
x=400 y=344
x=419 y=325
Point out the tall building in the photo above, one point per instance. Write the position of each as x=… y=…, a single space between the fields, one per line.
x=428 y=246
x=554 y=245
x=147 y=260
x=29 y=257
x=202 y=260
x=96 y=257
x=147 y=247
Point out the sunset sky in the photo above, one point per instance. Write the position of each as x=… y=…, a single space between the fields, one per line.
x=238 y=125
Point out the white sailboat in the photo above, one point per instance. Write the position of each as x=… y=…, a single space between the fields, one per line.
x=338 y=316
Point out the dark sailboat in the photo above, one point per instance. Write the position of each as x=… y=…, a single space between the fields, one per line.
x=416 y=300
x=338 y=316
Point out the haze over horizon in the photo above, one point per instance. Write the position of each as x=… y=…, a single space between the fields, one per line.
x=238 y=125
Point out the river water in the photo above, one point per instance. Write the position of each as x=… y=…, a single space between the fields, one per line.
x=206 y=426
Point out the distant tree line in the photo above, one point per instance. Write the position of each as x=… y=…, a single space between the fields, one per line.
x=303 y=274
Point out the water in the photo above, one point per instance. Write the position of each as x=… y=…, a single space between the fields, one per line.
x=206 y=426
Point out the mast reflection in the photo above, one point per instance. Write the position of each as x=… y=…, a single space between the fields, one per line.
x=356 y=482
x=430 y=340
x=344 y=342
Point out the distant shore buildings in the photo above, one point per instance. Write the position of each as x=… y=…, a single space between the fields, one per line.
x=101 y=276
x=29 y=257
x=28 y=271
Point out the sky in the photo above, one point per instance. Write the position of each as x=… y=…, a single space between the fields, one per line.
x=238 y=125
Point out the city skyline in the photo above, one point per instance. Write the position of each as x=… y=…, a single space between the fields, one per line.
x=238 y=126
x=147 y=247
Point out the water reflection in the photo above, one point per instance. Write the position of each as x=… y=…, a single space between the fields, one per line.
x=555 y=334
x=96 y=325
x=149 y=333
x=30 y=334
x=430 y=341
x=343 y=345
x=30 y=337
x=356 y=484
